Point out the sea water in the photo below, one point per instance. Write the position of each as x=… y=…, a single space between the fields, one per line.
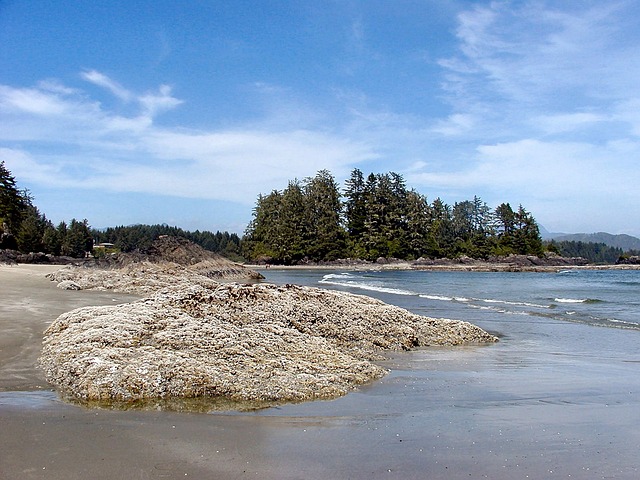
x=557 y=397
x=604 y=298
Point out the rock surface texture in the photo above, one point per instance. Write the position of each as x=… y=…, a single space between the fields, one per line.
x=193 y=336
x=245 y=342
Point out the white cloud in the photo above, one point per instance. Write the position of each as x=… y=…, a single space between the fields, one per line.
x=158 y=102
x=571 y=185
x=455 y=124
x=100 y=150
x=546 y=169
x=542 y=56
x=628 y=111
x=31 y=101
x=104 y=81
x=567 y=122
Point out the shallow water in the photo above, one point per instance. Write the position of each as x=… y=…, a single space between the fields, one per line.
x=558 y=396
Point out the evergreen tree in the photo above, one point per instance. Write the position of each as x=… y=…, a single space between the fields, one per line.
x=263 y=237
x=355 y=211
x=324 y=211
x=385 y=232
x=527 y=236
x=31 y=233
x=418 y=222
x=482 y=217
x=369 y=239
x=462 y=221
x=78 y=241
x=397 y=217
x=505 y=221
x=13 y=204
x=51 y=239
x=295 y=224
x=441 y=233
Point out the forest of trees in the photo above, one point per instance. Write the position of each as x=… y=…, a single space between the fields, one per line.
x=129 y=238
x=25 y=229
x=591 y=251
x=312 y=220
x=378 y=216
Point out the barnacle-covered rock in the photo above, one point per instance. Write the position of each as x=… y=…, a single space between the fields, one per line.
x=243 y=342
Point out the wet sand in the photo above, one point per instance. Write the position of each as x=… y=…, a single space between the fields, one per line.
x=29 y=302
x=506 y=411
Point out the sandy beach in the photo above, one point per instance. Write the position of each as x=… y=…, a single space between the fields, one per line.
x=29 y=303
x=446 y=412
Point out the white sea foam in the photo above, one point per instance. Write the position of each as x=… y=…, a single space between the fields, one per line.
x=565 y=303
x=571 y=300
x=517 y=304
x=342 y=280
x=362 y=282
x=337 y=278
x=436 y=297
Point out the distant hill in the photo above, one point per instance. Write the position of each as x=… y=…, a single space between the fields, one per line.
x=625 y=242
x=547 y=235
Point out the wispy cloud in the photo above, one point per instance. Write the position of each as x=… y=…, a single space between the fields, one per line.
x=545 y=93
x=134 y=154
x=533 y=53
x=102 y=80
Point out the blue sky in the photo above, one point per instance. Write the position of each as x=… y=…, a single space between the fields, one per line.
x=183 y=112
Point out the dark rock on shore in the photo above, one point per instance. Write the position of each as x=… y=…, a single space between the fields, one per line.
x=633 y=260
x=14 y=256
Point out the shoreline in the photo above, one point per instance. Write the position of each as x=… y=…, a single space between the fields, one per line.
x=29 y=303
x=522 y=408
x=463 y=267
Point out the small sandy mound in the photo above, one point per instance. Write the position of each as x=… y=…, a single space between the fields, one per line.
x=243 y=342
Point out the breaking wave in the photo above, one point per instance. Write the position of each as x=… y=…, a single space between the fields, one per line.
x=573 y=308
x=364 y=282
x=577 y=300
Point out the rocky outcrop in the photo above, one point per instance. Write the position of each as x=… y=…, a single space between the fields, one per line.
x=631 y=260
x=516 y=263
x=169 y=261
x=145 y=277
x=196 y=337
x=243 y=342
x=549 y=259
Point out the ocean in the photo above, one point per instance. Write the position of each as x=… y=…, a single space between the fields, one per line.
x=604 y=298
x=557 y=397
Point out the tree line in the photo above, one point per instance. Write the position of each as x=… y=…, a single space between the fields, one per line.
x=594 y=252
x=140 y=237
x=25 y=229
x=378 y=216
